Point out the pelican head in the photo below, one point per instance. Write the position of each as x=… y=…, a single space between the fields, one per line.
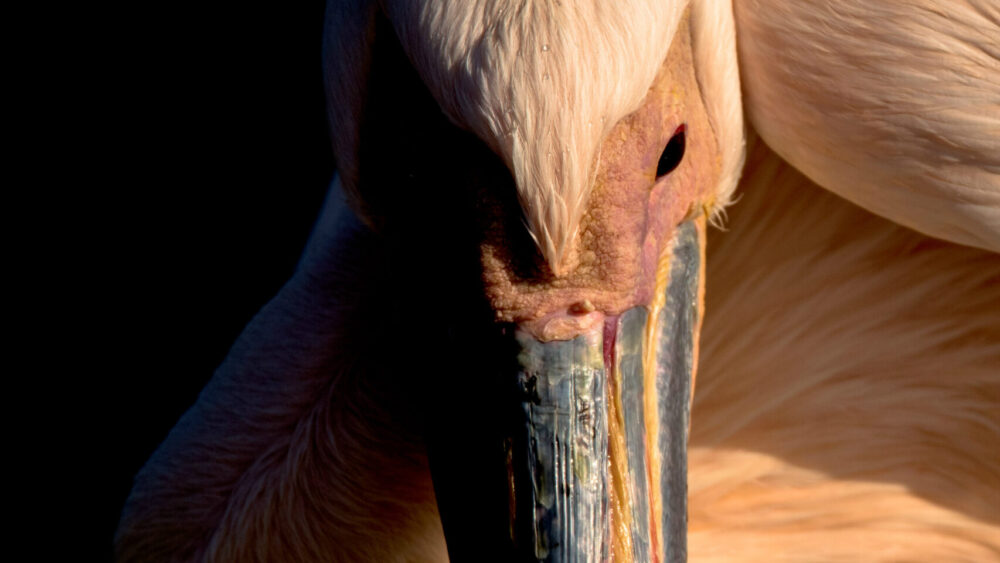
x=542 y=175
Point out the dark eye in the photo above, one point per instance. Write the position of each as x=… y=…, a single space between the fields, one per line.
x=673 y=154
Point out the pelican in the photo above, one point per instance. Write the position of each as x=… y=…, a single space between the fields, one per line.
x=488 y=350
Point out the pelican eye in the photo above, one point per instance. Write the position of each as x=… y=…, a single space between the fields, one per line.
x=672 y=154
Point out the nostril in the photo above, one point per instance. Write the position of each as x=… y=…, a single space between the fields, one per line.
x=673 y=153
x=581 y=307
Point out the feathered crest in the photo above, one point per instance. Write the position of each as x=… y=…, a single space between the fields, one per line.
x=542 y=83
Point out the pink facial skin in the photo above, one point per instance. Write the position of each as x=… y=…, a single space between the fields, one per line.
x=631 y=216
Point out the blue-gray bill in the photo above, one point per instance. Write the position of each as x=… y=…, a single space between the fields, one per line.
x=593 y=438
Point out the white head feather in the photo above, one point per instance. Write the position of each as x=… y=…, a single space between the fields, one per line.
x=542 y=83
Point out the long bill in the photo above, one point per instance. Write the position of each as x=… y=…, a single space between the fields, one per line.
x=582 y=455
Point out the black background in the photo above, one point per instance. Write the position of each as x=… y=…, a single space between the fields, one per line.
x=198 y=158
